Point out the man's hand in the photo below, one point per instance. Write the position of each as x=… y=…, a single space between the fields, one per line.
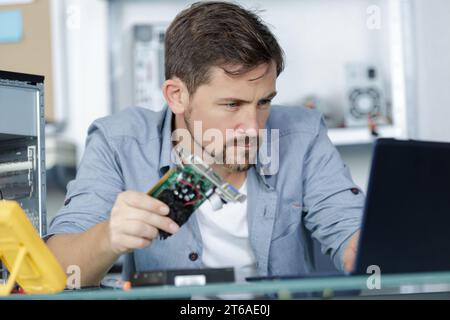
x=350 y=253
x=134 y=223
x=135 y=220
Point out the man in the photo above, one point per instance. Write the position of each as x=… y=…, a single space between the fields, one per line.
x=221 y=65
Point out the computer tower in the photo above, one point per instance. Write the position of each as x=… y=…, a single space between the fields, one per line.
x=148 y=65
x=22 y=146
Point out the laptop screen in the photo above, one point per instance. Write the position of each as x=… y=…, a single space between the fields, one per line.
x=406 y=225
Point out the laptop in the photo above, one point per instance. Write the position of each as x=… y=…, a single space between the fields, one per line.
x=406 y=221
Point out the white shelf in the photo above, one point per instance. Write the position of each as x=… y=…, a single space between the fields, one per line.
x=354 y=136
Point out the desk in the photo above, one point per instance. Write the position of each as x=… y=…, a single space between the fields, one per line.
x=403 y=286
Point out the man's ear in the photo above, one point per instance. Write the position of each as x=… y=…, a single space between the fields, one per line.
x=176 y=94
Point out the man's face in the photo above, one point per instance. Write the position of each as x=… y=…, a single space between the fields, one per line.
x=237 y=107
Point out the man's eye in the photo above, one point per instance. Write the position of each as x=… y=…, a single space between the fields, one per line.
x=265 y=103
x=232 y=105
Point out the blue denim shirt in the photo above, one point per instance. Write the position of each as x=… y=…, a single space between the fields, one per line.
x=312 y=194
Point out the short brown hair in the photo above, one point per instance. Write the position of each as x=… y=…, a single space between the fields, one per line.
x=217 y=33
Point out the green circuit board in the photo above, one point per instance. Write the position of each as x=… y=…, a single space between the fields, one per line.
x=183 y=190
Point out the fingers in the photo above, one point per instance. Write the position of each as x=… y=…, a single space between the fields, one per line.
x=130 y=242
x=143 y=201
x=136 y=228
x=151 y=219
x=135 y=220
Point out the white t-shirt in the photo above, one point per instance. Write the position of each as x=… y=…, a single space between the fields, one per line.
x=225 y=237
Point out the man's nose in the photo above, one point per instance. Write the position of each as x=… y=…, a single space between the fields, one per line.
x=250 y=121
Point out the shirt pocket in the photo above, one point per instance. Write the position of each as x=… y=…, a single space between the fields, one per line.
x=288 y=221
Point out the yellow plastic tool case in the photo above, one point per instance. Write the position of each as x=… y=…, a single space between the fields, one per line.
x=29 y=261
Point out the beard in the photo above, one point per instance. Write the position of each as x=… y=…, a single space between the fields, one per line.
x=233 y=155
x=236 y=156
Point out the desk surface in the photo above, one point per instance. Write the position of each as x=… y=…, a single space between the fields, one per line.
x=399 y=285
